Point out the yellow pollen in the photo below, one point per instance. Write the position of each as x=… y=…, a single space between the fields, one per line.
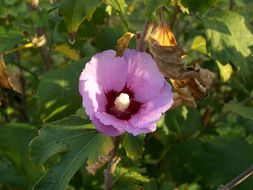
x=122 y=102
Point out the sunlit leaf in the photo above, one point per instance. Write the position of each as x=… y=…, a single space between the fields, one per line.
x=225 y=41
x=199 y=44
x=58 y=92
x=239 y=109
x=75 y=12
x=69 y=52
x=225 y=71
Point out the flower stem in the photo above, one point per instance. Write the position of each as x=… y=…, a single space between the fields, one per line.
x=140 y=41
x=108 y=173
x=237 y=180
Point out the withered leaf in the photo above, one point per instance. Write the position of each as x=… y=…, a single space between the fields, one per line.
x=192 y=82
x=122 y=43
x=5 y=81
x=102 y=160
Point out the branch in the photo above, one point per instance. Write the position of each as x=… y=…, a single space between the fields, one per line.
x=237 y=180
x=141 y=38
x=39 y=39
x=23 y=88
x=174 y=17
x=231 y=4
x=108 y=173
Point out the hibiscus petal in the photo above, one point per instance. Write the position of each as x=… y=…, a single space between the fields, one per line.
x=108 y=71
x=93 y=98
x=144 y=77
x=152 y=110
x=136 y=130
x=106 y=129
x=108 y=119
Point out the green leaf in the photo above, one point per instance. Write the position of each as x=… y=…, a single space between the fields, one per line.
x=9 y=174
x=129 y=174
x=152 y=5
x=152 y=185
x=59 y=136
x=177 y=156
x=220 y=160
x=133 y=146
x=71 y=136
x=167 y=186
x=225 y=41
x=199 y=44
x=118 y=5
x=14 y=145
x=198 y=5
x=58 y=92
x=9 y=39
x=239 y=109
x=75 y=12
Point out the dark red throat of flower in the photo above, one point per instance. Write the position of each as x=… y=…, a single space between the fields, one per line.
x=133 y=107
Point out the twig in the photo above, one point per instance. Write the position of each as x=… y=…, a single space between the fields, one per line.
x=174 y=17
x=231 y=5
x=39 y=33
x=27 y=70
x=237 y=180
x=108 y=173
x=23 y=88
x=141 y=40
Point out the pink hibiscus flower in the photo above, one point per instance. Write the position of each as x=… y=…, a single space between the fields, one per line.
x=124 y=94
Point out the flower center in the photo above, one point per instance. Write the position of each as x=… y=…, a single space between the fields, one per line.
x=122 y=102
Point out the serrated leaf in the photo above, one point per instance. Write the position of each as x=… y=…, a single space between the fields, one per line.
x=246 y=112
x=75 y=12
x=221 y=160
x=58 y=92
x=78 y=143
x=225 y=41
x=133 y=146
x=59 y=136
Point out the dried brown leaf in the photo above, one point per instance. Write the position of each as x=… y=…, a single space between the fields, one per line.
x=190 y=82
x=122 y=43
x=5 y=81
x=102 y=160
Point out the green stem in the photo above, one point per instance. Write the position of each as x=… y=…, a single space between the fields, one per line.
x=109 y=172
